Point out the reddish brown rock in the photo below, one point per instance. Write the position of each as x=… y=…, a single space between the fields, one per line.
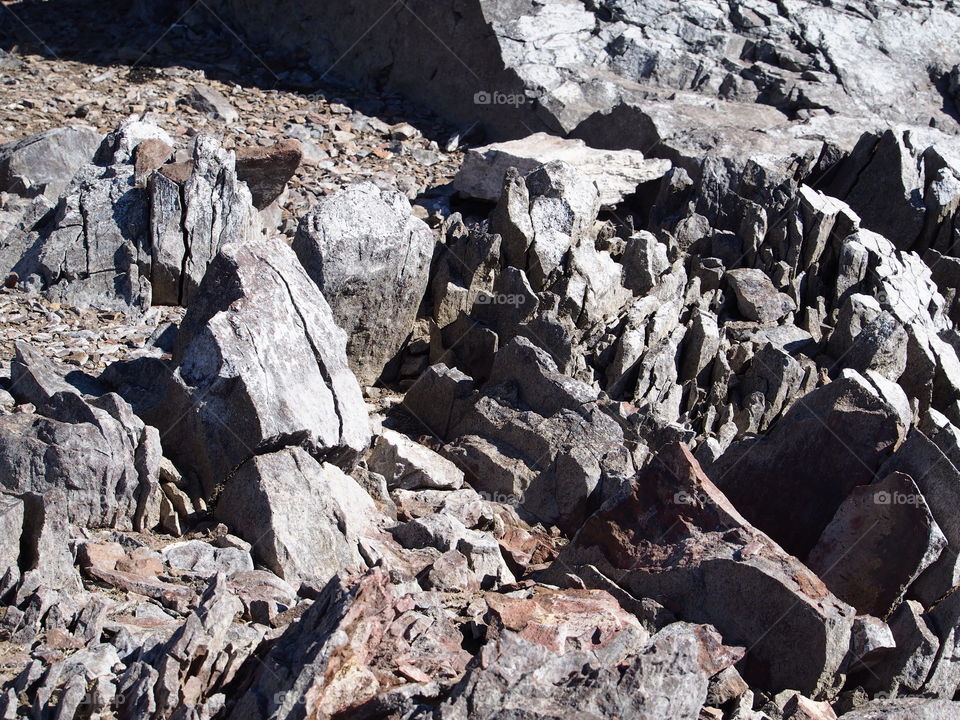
x=673 y=537
x=149 y=156
x=267 y=170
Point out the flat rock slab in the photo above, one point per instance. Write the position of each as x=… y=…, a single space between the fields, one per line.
x=617 y=173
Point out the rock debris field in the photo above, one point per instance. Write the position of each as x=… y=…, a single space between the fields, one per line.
x=491 y=359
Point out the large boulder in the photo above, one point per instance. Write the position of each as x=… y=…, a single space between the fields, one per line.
x=790 y=482
x=259 y=364
x=671 y=536
x=371 y=260
x=45 y=163
x=304 y=519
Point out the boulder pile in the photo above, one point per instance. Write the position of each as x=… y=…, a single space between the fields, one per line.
x=677 y=440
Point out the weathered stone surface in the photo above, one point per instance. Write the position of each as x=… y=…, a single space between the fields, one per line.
x=45 y=163
x=304 y=519
x=260 y=364
x=757 y=298
x=371 y=259
x=350 y=646
x=95 y=451
x=616 y=173
x=267 y=170
x=880 y=540
x=906 y=668
x=790 y=482
x=544 y=214
x=673 y=537
x=524 y=677
x=191 y=220
x=407 y=464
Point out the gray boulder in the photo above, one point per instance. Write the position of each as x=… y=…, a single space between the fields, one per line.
x=304 y=519
x=371 y=260
x=259 y=364
x=45 y=163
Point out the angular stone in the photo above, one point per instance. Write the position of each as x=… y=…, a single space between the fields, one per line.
x=757 y=298
x=267 y=170
x=205 y=559
x=371 y=259
x=260 y=364
x=905 y=709
x=881 y=538
x=673 y=537
x=616 y=173
x=790 y=482
x=407 y=464
x=211 y=101
x=192 y=220
x=303 y=519
x=45 y=163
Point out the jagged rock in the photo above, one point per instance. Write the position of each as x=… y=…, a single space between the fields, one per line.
x=370 y=258
x=905 y=669
x=644 y=261
x=257 y=349
x=799 y=707
x=666 y=678
x=45 y=163
x=94 y=250
x=790 y=482
x=191 y=220
x=880 y=540
x=671 y=536
x=544 y=439
x=197 y=661
x=267 y=170
x=757 y=298
x=938 y=481
x=95 y=451
x=11 y=528
x=439 y=398
x=871 y=641
x=543 y=215
x=304 y=519
x=409 y=465
x=209 y=100
x=905 y=709
x=350 y=646
x=616 y=173
x=446 y=533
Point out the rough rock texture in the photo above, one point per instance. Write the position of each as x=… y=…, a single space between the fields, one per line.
x=616 y=174
x=259 y=364
x=371 y=260
x=671 y=536
x=45 y=163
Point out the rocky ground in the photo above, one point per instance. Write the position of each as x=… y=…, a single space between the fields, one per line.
x=313 y=406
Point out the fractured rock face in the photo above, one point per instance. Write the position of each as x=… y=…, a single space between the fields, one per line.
x=191 y=219
x=616 y=173
x=882 y=537
x=524 y=676
x=260 y=364
x=371 y=259
x=790 y=482
x=671 y=536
